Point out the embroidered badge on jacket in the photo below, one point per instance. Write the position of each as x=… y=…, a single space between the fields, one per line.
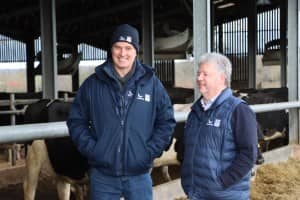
x=215 y=123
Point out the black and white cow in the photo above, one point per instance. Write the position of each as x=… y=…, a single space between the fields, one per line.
x=59 y=156
x=273 y=125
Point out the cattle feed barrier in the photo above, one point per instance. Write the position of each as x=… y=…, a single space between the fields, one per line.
x=21 y=133
x=12 y=112
x=28 y=101
x=258 y=108
x=12 y=101
x=27 y=132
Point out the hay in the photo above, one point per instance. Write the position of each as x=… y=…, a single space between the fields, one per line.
x=279 y=181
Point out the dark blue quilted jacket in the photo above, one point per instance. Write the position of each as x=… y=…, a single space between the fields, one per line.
x=121 y=133
x=209 y=150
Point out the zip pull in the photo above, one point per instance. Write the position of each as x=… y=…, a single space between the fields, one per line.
x=117 y=111
x=122 y=122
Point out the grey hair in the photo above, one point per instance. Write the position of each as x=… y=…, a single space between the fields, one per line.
x=221 y=62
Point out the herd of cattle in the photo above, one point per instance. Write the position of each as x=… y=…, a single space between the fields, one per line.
x=59 y=155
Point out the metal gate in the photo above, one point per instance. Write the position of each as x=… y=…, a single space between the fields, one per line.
x=231 y=39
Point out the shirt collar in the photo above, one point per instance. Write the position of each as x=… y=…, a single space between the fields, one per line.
x=207 y=105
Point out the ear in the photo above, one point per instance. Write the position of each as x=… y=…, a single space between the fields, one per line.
x=223 y=78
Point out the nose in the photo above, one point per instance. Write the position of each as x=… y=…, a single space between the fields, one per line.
x=200 y=77
x=122 y=51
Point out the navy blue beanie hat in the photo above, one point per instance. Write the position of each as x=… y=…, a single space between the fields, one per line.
x=126 y=33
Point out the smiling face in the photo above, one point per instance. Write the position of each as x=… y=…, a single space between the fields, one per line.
x=123 y=56
x=210 y=81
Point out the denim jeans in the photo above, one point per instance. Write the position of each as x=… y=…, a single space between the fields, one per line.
x=104 y=187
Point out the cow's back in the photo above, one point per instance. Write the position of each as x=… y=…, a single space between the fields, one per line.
x=65 y=158
x=63 y=155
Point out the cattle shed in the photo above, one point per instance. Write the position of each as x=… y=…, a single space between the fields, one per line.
x=261 y=38
x=253 y=34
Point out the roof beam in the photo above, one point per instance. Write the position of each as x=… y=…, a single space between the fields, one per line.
x=97 y=13
x=18 y=12
x=17 y=34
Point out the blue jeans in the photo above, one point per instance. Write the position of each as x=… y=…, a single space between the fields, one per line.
x=104 y=187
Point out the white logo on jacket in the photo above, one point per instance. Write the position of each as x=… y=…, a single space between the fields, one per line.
x=146 y=98
x=130 y=94
x=215 y=123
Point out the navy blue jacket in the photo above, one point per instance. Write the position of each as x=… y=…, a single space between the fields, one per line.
x=220 y=149
x=121 y=132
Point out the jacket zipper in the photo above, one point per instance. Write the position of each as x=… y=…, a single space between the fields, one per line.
x=123 y=123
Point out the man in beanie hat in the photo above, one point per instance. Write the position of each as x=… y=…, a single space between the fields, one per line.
x=121 y=120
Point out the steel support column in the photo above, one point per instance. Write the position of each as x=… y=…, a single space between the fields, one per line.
x=148 y=33
x=252 y=43
x=201 y=32
x=283 y=42
x=49 y=54
x=30 y=66
x=292 y=67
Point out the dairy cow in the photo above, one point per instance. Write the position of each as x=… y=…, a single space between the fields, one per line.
x=273 y=125
x=59 y=156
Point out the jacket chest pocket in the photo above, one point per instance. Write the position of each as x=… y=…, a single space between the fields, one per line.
x=212 y=136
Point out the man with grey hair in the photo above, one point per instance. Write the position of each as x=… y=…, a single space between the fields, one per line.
x=220 y=138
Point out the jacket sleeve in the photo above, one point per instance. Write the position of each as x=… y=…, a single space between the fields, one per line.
x=164 y=122
x=244 y=127
x=79 y=123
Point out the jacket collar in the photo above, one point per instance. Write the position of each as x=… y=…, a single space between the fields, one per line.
x=105 y=71
x=226 y=93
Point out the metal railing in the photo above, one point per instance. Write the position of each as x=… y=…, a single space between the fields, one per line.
x=12 y=103
x=21 y=133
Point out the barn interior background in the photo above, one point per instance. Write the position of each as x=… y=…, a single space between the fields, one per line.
x=47 y=48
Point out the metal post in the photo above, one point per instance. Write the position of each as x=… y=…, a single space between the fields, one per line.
x=12 y=158
x=30 y=66
x=292 y=67
x=49 y=54
x=148 y=31
x=283 y=42
x=252 y=27
x=201 y=26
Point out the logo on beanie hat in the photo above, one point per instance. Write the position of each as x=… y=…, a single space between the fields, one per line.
x=127 y=39
x=126 y=33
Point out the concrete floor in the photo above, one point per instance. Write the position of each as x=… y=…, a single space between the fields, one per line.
x=11 y=183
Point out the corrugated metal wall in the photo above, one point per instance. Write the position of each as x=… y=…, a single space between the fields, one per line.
x=268 y=28
x=15 y=51
x=231 y=39
x=165 y=71
x=11 y=50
